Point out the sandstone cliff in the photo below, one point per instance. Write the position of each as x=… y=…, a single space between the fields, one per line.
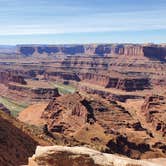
x=35 y=93
x=151 y=51
x=81 y=156
x=104 y=80
x=11 y=76
x=154 y=110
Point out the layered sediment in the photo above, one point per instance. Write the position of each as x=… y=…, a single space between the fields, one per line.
x=7 y=76
x=154 y=110
x=37 y=93
x=151 y=51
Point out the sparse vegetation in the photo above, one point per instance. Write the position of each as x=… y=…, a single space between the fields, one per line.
x=12 y=105
x=63 y=89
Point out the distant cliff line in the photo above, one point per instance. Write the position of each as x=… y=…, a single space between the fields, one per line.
x=103 y=50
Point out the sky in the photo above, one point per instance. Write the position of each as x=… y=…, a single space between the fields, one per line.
x=82 y=21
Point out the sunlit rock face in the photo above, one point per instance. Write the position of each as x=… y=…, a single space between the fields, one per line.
x=76 y=156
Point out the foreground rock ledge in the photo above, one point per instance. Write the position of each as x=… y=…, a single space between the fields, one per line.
x=82 y=156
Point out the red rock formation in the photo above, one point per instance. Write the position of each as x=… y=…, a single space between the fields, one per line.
x=61 y=76
x=10 y=76
x=66 y=114
x=136 y=50
x=128 y=84
x=107 y=95
x=34 y=93
x=155 y=113
x=81 y=116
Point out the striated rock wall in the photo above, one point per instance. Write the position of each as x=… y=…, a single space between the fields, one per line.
x=128 y=84
x=35 y=93
x=106 y=94
x=82 y=156
x=60 y=75
x=11 y=76
x=155 y=113
x=151 y=51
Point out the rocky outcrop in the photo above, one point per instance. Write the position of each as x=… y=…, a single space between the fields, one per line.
x=70 y=113
x=76 y=156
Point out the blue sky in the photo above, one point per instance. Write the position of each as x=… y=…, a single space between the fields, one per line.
x=82 y=21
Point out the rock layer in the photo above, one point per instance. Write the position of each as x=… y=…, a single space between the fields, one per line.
x=11 y=76
x=151 y=51
x=154 y=110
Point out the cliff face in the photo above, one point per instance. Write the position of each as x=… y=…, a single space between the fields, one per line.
x=34 y=93
x=39 y=50
x=155 y=52
x=76 y=156
x=10 y=76
x=154 y=111
x=72 y=110
x=128 y=84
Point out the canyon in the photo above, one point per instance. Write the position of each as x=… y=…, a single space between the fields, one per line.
x=108 y=97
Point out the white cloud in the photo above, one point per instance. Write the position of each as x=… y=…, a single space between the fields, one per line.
x=96 y=22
